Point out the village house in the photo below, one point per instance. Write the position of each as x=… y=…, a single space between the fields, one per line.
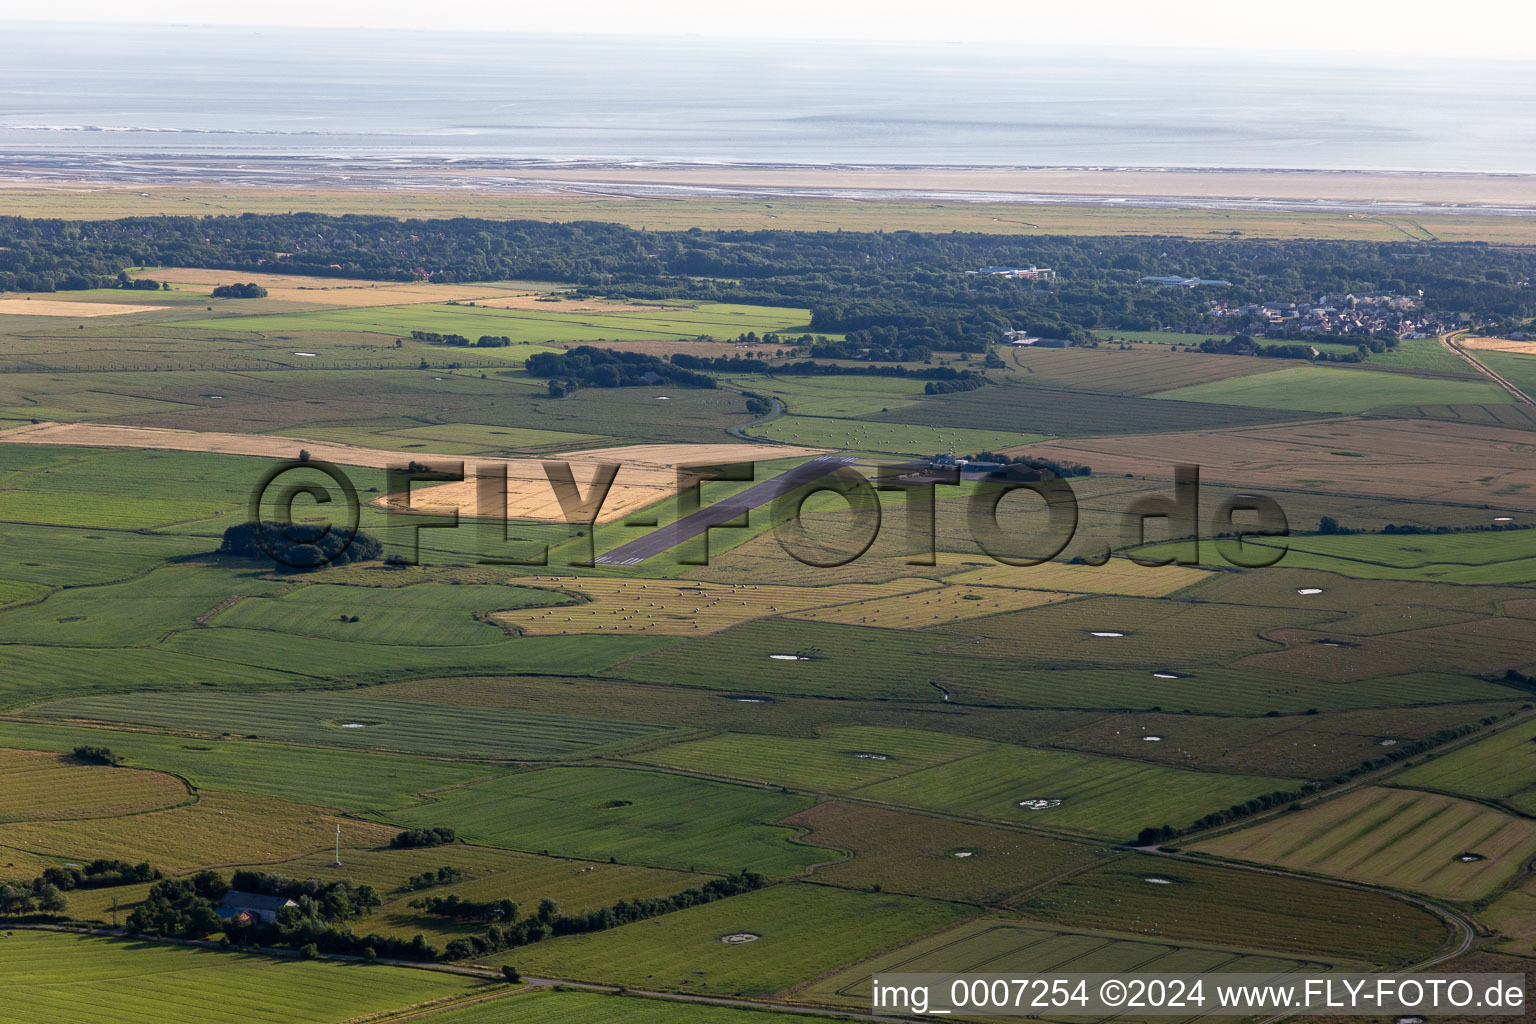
x=252 y=906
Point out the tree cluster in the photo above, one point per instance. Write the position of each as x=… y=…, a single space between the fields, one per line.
x=250 y=290
x=413 y=838
x=459 y=341
x=100 y=874
x=589 y=366
x=298 y=547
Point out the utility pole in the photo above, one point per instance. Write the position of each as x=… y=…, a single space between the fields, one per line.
x=338 y=848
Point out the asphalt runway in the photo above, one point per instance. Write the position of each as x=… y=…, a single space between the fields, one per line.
x=667 y=537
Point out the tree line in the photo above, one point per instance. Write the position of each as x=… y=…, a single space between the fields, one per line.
x=893 y=293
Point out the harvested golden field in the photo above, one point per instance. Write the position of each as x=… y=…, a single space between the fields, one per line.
x=932 y=606
x=647 y=474
x=62 y=307
x=219 y=829
x=1118 y=576
x=339 y=291
x=677 y=608
x=1421 y=460
x=1483 y=645
x=36 y=786
x=1499 y=345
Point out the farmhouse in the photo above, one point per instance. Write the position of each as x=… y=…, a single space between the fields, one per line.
x=1019 y=338
x=252 y=905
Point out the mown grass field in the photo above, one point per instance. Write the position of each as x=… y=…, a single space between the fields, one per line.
x=544 y=1006
x=1500 y=767
x=426 y=615
x=1097 y=796
x=1502 y=557
x=349 y=780
x=1395 y=837
x=220 y=828
x=1181 y=900
x=1327 y=389
x=1292 y=745
x=1125 y=631
x=37 y=786
x=1029 y=411
x=638 y=817
x=129 y=613
x=937 y=857
x=869 y=435
x=50 y=978
x=995 y=945
x=1112 y=371
x=864 y=662
x=1513 y=915
x=350 y=719
x=842 y=760
x=803 y=930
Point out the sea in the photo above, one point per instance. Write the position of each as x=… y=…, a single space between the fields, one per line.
x=275 y=93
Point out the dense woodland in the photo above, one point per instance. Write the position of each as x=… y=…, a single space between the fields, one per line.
x=897 y=293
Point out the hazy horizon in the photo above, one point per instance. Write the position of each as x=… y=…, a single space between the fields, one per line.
x=322 y=93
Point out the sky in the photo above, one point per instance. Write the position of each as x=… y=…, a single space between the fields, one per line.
x=1504 y=29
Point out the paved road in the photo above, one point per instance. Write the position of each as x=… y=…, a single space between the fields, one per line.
x=670 y=536
x=1453 y=342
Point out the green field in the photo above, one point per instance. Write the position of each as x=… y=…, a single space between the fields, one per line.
x=894 y=438
x=1394 y=837
x=1029 y=410
x=354 y=720
x=803 y=930
x=50 y=978
x=1206 y=903
x=995 y=945
x=545 y=1006
x=1098 y=796
x=346 y=779
x=842 y=760
x=1327 y=389
x=937 y=857
x=1493 y=557
x=523 y=326
x=637 y=817
x=425 y=615
x=131 y=613
x=1516 y=367
x=1501 y=767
